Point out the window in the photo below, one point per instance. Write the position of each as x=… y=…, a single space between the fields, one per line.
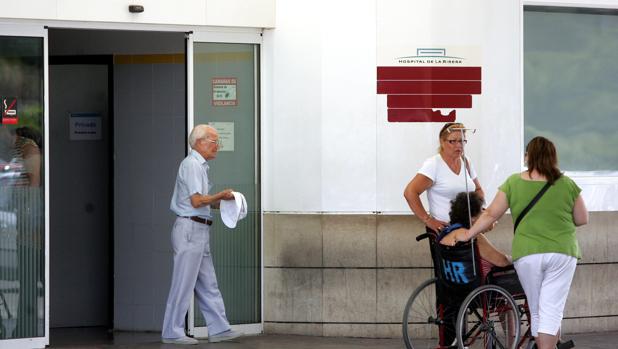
x=571 y=85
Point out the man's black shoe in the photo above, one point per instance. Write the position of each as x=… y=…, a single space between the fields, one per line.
x=565 y=345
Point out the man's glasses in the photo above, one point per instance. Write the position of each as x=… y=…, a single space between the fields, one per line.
x=217 y=142
x=455 y=141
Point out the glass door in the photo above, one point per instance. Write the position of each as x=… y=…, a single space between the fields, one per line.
x=24 y=291
x=224 y=92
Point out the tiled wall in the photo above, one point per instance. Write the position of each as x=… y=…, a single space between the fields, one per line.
x=350 y=275
x=149 y=136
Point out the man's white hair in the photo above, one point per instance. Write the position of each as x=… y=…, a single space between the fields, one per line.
x=200 y=132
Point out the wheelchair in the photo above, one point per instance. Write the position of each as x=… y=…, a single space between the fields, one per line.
x=462 y=308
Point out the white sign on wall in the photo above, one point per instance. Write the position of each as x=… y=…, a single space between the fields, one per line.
x=226 y=134
x=85 y=126
x=224 y=92
x=356 y=145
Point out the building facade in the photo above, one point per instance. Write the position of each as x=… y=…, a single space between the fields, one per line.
x=315 y=134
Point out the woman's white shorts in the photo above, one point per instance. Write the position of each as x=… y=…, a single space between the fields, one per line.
x=546 y=279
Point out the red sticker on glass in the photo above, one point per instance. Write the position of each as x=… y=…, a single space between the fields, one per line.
x=9 y=110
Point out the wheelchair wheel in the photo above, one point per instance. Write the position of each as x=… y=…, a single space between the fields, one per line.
x=488 y=319
x=420 y=319
x=526 y=340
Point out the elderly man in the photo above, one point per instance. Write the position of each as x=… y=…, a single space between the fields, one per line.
x=193 y=267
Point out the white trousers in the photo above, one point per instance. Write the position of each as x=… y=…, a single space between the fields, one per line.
x=546 y=279
x=193 y=270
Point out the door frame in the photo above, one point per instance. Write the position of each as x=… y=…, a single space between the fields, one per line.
x=246 y=37
x=40 y=31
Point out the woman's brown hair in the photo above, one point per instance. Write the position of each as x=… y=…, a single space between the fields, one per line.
x=543 y=158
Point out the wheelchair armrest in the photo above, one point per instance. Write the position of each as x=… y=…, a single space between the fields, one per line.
x=502 y=269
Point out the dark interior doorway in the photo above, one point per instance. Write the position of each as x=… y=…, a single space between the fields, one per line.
x=81 y=189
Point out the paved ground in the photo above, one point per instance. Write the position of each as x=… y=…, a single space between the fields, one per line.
x=88 y=339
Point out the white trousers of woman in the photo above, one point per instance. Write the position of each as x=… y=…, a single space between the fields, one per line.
x=546 y=279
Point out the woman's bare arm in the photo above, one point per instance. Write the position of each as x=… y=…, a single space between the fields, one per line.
x=580 y=212
x=418 y=185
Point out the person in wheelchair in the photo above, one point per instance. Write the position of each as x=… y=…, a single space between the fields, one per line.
x=464 y=281
x=453 y=291
x=490 y=255
x=459 y=217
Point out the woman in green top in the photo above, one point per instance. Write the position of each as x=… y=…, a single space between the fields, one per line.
x=545 y=249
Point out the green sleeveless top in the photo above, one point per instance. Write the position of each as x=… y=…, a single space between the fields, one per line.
x=548 y=226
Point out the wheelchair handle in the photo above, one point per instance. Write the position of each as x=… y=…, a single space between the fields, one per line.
x=422 y=237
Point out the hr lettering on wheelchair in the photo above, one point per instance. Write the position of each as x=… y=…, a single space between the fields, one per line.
x=455 y=272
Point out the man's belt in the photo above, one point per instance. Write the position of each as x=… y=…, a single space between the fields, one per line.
x=200 y=220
